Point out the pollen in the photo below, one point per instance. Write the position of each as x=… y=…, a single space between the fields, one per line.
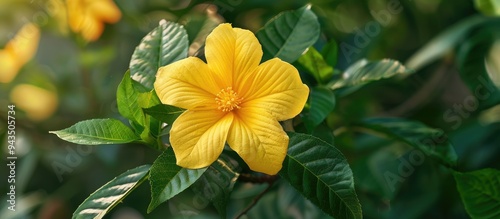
x=227 y=100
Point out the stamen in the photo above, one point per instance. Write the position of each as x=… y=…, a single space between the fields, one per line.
x=227 y=100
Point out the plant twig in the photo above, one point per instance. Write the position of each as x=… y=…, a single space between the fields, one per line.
x=270 y=183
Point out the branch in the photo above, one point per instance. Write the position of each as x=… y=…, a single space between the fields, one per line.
x=270 y=181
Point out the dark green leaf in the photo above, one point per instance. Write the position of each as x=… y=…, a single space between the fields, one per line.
x=488 y=7
x=97 y=131
x=431 y=141
x=478 y=70
x=322 y=102
x=198 y=25
x=167 y=179
x=108 y=196
x=321 y=173
x=164 y=113
x=216 y=184
x=480 y=192
x=443 y=43
x=314 y=63
x=364 y=71
x=165 y=44
x=289 y=34
x=330 y=53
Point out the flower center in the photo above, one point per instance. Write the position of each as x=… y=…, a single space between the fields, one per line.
x=227 y=100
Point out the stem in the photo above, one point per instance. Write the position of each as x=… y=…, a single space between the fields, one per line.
x=270 y=181
x=245 y=177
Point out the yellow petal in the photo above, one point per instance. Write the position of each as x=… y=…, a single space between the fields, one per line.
x=277 y=87
x=198 y=137
x=105 y=10
x=24 y=45
x=91 y=28
x=38 y=103
x=188 y=84
x=259 y=140
x=76 y=14
x=10 y=67
x=232 y=52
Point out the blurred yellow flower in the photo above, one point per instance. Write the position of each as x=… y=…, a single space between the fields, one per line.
x=87 y=17
x=231 y=98
x=38 y=103
x=18 y=52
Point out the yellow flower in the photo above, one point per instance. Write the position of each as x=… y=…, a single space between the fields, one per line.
x=18 y=52
x=38 y=103
x=231 y=98
x=87 y=17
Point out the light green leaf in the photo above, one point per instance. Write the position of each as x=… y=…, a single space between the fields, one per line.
x=321 y=173
x=127 y=100
x=431 y=141
x=443 y=43
x=314 y=63
x=98 y=131
x=216 y=184
x=130 y=104
x=164 y=113
x=112 y=193
x=322 y=102
x=364 y=71
x=488 y=7
x=167 y=179
x=165 y=44
x=289 y=34
x=480 y=192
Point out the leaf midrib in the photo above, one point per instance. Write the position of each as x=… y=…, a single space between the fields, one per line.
x=330 y=189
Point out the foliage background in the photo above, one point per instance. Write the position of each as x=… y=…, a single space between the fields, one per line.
x=84 y=77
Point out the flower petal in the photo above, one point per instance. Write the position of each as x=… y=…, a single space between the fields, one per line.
x=198 y=137
x=276 y=86
x=259 y=140
x=105 y=10
x=232 y=52
x=188 y=84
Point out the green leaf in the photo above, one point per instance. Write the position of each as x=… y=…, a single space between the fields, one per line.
x=127 y=100
x=488 y=7
x=216 y=184
x=289 y=34
x=108 y=196
x=322 y=102
x=167 y=179
x=164 y=113
x=364 y=71
x=477 y=68
x=480 y=192
x=321 y=173
x=97 y=131
x=330 y=53
x=431 y=141
x=165 y=44
x=314 y=63
x=130 y=104
x=443 y=43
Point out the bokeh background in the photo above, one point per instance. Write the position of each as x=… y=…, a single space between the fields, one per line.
x=72 y=75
